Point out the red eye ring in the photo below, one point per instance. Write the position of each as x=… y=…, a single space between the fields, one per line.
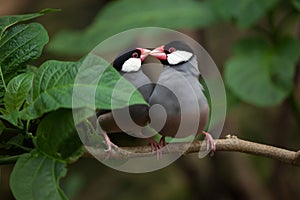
x=135 y=55
x=171 y=49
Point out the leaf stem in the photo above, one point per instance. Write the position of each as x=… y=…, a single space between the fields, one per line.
x=21 y=147
x=9 y=160
x=2 y=78
x=27 y=127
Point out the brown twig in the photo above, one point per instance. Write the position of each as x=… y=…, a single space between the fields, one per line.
x=230 y=143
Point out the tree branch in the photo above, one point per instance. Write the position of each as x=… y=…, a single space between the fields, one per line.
x=230 y=143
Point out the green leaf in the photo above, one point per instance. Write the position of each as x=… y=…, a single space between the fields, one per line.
x=8 y=21
x=36 y=176
x=20 y=45
x=17 y=91
x=57 y=135
x=111 y=91
x=118 y=16
x=54 y=87
x=283 y=64
x=244 y=12
x=261 y=74
x=12 y=117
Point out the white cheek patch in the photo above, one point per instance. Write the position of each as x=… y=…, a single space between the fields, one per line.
x=132 y=65
x=178 y=57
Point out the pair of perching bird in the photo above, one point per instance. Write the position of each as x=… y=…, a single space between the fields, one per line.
x=177 y=90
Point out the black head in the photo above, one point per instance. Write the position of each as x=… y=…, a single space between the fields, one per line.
x=131 y=60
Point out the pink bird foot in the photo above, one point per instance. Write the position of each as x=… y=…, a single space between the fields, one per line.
x=162 y=141
x=109 y=144
x=156 y=146
x=211 y=144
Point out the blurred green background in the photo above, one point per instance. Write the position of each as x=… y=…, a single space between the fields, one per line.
x=256 y=46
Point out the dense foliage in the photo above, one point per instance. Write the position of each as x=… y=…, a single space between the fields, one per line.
x=37 y=125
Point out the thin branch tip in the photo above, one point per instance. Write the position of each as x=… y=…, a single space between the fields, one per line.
x=297 y=158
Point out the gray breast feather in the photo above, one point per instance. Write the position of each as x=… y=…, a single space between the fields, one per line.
x=179 y=92
x=174 y=86
x=141 y=82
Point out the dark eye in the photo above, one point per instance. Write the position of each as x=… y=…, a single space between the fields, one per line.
x=172 y=49
x=135 y=55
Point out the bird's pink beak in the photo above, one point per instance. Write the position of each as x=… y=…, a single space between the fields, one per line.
x=159 y=53
x=144 y=53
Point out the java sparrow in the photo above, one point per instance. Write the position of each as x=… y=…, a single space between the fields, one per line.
x=129 y=66
x=180 y=93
